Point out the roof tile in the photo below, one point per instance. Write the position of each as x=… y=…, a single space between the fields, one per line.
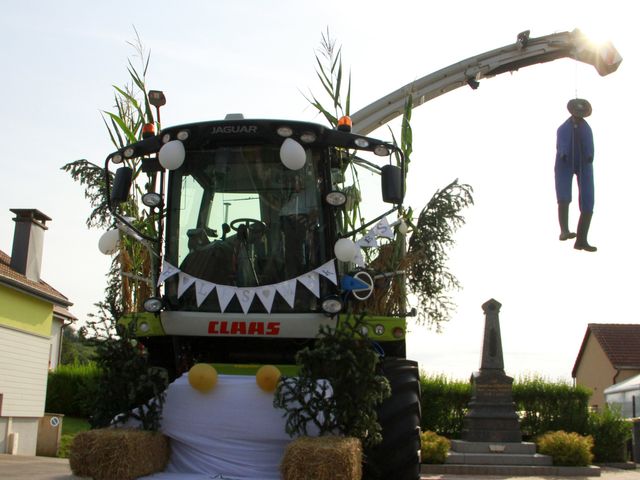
x=9 y=275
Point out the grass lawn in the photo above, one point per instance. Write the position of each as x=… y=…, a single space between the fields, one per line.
x=70 y=426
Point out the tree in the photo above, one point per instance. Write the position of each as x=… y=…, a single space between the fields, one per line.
x=128 y=387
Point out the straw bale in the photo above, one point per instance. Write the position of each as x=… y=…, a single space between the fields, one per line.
x=118 y=453
x=322 y=458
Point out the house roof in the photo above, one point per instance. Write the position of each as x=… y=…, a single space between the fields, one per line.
x=41 y=289
x=620 y=342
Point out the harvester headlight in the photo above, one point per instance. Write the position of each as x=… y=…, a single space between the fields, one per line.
x=332 y=305
x=361 y=142
x=128 y=152
x=335 y=198
x=144 y=327
x=381 y=151
x=166 y=138
x=152 y=199
x=364 y=331
x=284 y=131
x=182 y=135
x=153 y=304
x=308 y=137
x=116 y=158
x=379 y=329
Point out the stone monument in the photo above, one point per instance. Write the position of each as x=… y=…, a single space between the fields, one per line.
x=491 y=438
x=492 y=415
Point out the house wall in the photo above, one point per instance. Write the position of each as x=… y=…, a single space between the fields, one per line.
x=25 y=326
x=24 y=312
x=595 y=372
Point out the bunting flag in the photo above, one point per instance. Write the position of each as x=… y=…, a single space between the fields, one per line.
x=245 y=296
x=359 y=259
x=266 y=294
x=328 y=271
x=383 y=229
x=287 y=290
x=311 y=280
x=168 y=270
x=203 y=289
x=184 y=281
x=225 y=295
x=347 y=282
x=369 y=240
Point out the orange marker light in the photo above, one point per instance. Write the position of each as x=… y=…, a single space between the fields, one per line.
x=344 y=124
x=148 y=130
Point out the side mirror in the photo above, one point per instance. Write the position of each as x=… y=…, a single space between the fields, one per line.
x=121 y=185
x=392 y=184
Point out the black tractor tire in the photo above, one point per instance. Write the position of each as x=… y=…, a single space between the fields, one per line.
x=398 y=456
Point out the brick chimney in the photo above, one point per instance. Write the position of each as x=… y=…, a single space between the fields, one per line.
x=26 y=256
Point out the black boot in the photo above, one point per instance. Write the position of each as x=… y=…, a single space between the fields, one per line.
x=563 y=218
x=583 y=230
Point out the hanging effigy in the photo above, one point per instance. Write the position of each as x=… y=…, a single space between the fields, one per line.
x=574 y=156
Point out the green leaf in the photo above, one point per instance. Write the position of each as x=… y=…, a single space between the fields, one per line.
x=123 y=127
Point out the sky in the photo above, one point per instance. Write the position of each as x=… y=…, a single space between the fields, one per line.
x=212 y=58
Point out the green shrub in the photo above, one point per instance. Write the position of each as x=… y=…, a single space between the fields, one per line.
x=433 y=447
x=610 y=432
x=71 y=389
x=567 y=449
x=444 y=404
x=546 y=406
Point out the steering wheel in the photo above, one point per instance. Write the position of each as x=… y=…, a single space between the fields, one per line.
x=250 y=223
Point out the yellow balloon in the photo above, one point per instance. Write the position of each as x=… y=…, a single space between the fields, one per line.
x=203 y=377
x=267 y=377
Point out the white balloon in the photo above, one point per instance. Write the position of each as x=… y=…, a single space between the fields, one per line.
x=171 y=155
x=403 y=228
x=108 y=243
x=292 y=154
x=345 y=250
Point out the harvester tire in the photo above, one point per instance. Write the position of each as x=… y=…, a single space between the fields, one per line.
x=398 y=456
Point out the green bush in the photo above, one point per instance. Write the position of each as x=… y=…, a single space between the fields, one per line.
x=610 y=432
x=433 y=447
x=71 y=389
x=567 y=449
x=546 y=406
x=444 y=404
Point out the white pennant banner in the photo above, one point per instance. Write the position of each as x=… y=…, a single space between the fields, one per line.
x=382 y=229
x=369 y=240
x=287 y=290
x=168 y=270
x=225 y=294
x=184 y=281
x=311 y=280
x=266 y=294
x=328 y=270
x=359 y=259
x=203 y=289
x=245 y=296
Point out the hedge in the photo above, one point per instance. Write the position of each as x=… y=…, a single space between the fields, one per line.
x=70 y=389
x=542 y=405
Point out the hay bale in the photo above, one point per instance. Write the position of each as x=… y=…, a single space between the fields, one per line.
x=118 y=453
x=322 y=458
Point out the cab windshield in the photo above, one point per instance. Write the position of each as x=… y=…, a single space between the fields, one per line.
x=240 y=218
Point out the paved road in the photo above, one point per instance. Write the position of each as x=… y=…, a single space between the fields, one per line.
x=16 y=467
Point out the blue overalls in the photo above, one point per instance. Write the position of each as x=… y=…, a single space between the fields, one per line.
x=574 y=155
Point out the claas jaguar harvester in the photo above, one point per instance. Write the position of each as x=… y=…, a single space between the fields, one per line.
x=260 y=249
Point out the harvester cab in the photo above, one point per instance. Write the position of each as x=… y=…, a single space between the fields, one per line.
x=259 y=221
